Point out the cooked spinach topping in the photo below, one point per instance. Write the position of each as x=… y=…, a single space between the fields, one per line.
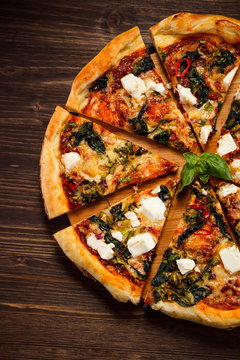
x=163 y=54
x=142 y=65
x=198 y=86
x=101 y=223
x=220 y=222
x=224 y=59
x=168 y=264
x=189 y=232
x=117 y=212
x=140 y=151
x=234 y=115
x=164 y=193
x=139 y=123
x=99 y=84
x=88 y=191
x=124 y=152
x=118 y=245
x=147 y=265
x=87 y=133
x=162 y=137
x=192 y=55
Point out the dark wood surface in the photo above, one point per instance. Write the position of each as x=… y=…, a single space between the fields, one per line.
x=49 y=310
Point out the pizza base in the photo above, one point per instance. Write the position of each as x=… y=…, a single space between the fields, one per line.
x=120 y=287
x=201 y=313
x=120 y=46
x=55 y=200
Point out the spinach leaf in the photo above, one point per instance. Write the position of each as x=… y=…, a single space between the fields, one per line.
x=99 y=84
x=117 y=212
x=189 y=232
x=86 y=132
x=147 y=265
x=168 y=264
x=162 y=137
x=224 y=59
x=140 y=151
x=220 y=222
x=139 y=123
x=102 y=224
x=234 y=115
x=198 y=86
x=119 y=246
x=143 y=65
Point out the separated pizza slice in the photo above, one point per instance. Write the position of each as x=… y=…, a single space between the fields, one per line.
x=199 y=276
x=201 y=54
x=81 y=162
x=229 y=195
x=121 y=86
x=229 y=142
x=117 y=246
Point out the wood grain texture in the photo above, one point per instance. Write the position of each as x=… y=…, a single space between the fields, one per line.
x=48 y=309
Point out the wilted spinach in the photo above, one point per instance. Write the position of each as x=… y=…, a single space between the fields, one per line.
x=224 y=59
x=101 y=223
x=100 y=84
x=87 y=133
x=234 y=115
x=119 y=246
x=143 y=65
x=117 y=212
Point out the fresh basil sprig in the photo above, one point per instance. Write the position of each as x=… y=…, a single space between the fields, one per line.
x=203 y=166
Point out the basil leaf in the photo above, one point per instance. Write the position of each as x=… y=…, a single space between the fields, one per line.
x=191 y=158
x=187 y=176
x=216 y=166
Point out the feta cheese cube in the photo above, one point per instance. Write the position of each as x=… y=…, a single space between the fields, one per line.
x=158 y=87
x=117 y=235
x=236 y=164
x=140 y=244
x=153 y=208
x=227 y=190
x=231 y=259
x=226 y=144
x=229 y=77
x=205 y=131
x=70 y=160
x=104 y=250
x=185 y=265
x=130 y=215
x=185 y=95
x=156 y=190
x=133 y=85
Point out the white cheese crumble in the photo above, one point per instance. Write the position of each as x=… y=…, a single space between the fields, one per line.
x=130 y=215
x=133 y=85
x=231 y=259
x=169 y=85
x=117 y=235
x=158 y=87
x=229 y=77
x=226 y=144
x=105 y=250
x=197 y=269
x=237 y=95
x=227 y=190
x=156 y=190
x=185 y=265
x=237 y=175
x=205 y=131
x=70 y=160
x=153 y=208
x=140 y=244
x=204 y=192
x=236 y=164
x=185 y=95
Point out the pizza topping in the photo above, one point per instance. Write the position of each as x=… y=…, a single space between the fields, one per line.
x=205 y=131
x=87 y=133
x=105 y=251
x=100 y=84
x=158 y=87
x=185 y=265
x=231 y=259
x=70 y=160
x=143 y=65
x=233 y=116
x=229 y=77
x=185 y=95
x=236 y=164
x=226 y=144
x=182 y=67
x=156 y=190
x=228 y=189
x=140 y=244
x=130 y=215
x=133 y=85
x=117 y=235
x=224 y=59
x=153 y=208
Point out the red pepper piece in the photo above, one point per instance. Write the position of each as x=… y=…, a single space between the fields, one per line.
x=178 y=67
x=203 y=232
x=70 y=185
x=213 y=96
x=173 y=137
x=201 y=208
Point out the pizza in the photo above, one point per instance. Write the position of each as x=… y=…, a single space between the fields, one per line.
x=117 y=246
x=199 y=276
x=229 y=142
x=121 y=86
x=81 y=162
x=201 y=54
x=229 y=195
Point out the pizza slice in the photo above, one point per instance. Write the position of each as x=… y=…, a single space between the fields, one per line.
x=199 y=276
x=229 y=142
x=229 y=195
x=81 y=162
x=201 y=54
x=121 y=86
x=117 y=246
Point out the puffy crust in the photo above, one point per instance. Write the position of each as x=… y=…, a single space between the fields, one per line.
x=117 y=48
x=120 y=287
x=201 y=313
x=55 y=200
x=193 y=24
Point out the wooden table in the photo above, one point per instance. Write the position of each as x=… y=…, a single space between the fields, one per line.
x=49 y=310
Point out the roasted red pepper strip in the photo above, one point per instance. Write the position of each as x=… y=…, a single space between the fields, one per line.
x=173 y=137
x=70 y=185
x=201 y=208
x=203 y=232
x=185 y=70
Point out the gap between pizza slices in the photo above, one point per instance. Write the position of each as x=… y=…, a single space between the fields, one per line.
x=201 y=54
x=121 y=86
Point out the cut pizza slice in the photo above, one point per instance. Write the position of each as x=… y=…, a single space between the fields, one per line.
x=121 y=86
x=229 y=142
x=229 y=195
x=199 y=276
x=117 y=246
x=81 y=162
x=201 y=54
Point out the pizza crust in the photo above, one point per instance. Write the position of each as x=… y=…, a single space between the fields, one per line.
x=167 y=31
x=120 y=46
x=201 y=313
x=120 y=287
x=55 y=200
